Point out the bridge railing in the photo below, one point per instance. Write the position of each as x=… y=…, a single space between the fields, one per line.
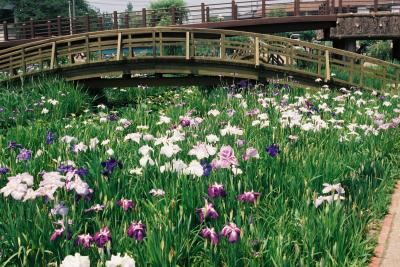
x=264 y=52
x=197 y=14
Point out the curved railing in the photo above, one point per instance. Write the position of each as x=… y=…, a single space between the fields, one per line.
x=256 y=51
x=196 y=14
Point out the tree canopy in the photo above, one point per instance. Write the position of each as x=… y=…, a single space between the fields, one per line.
x=46 y=9
x=163 y=16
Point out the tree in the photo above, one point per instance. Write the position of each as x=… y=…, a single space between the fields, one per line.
x=162 y=11
x=129 y=7
x=46 y=9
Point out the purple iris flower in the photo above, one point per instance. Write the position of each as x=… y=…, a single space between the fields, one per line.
x=13 y=145
x=126 y=204
x=82 y=172
x=244 y=84
x=50 y=137
x=240 y=143
x=211 y=234
x=102 y=237
x=248 y=197
x=185 y=122
x=216 y=190
x=110 y=165
x=253 y=112
x=137 y=230
x=57 y=233
x=88 y=197
x=65 y=168
x=84 y=240
x=24 y=154
x=207 y=168
x=207 y=211
x=273 y=150
x=112 y=117
x=232 y=232
x=4 y=170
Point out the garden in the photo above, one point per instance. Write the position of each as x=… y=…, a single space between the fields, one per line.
x=240 y=175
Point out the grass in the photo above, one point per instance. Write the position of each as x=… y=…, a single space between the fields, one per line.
x=283 y=228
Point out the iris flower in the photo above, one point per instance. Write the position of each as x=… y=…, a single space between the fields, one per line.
x=232 y=232
x=211 y=234
x=216 y=190
x=137 y=230
x=207 y=211
x=102 y=237
x=126 y=204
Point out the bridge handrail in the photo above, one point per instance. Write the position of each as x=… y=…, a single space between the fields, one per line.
x=203 y=13
x=296 y=57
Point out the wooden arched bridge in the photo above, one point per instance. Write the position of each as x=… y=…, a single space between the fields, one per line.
x=178 y=55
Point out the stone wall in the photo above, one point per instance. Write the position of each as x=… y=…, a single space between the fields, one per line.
x=364 y=26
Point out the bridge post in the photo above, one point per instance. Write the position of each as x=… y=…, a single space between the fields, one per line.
x=327 y=67
x=32 y=28
x=327 y=7
x=144 y=23
x=187 y=46
x=24 y=35
x=5 y=30
x=340 y=7
x=53 y=61
x=203 y=13
x=59 y=32
x=296 y=7
x=233 y=9
x=100 y=23
x=126 y=20
x=257 y=51
x=263 y=8
x=375 y=5
x=222 y=47
x=173 y=15
x=208 y=14
x=48 y=28
x=115 y=24
x=87 y=22
x=332 y=11
x=119 y=46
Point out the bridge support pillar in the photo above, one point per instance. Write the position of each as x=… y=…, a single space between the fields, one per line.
x=396 y=49
x=345 y=44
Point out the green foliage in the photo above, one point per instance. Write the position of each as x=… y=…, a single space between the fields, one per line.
x=162 y=12
x=277 y=13
x=47 y=9
x=380 y=49
x=25 y=105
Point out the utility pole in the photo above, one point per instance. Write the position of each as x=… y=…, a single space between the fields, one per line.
x=73 y=9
